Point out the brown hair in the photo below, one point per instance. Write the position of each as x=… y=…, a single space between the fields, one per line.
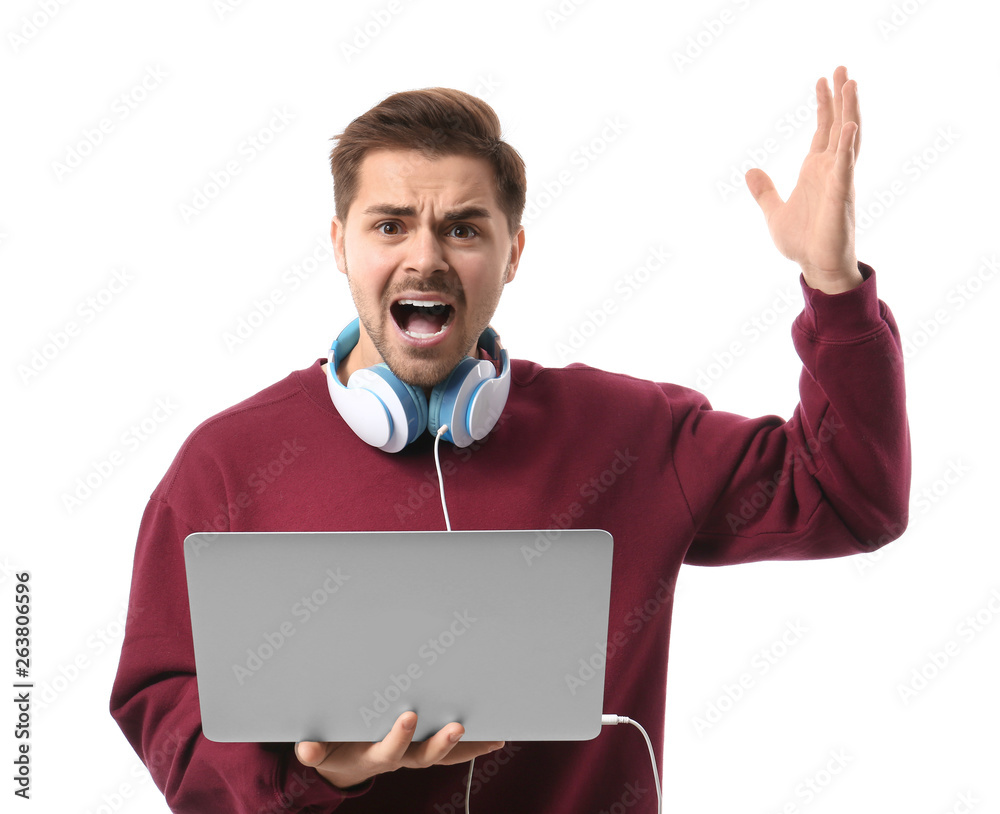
x=437 y=122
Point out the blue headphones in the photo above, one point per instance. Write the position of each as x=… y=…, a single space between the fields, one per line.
x=390 y=414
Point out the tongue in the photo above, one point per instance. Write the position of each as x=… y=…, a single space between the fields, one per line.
x=421 y=322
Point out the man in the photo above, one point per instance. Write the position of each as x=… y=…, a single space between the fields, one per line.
x=428 y=232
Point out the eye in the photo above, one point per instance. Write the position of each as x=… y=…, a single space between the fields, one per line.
x=462 y=231
x=388 y=228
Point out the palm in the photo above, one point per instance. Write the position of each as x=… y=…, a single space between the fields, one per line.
x=815 y=226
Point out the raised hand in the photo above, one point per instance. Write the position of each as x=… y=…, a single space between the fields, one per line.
x=815 y=226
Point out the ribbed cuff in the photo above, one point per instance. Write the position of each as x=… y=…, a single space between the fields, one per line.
x=305 y=789
x=843 y=317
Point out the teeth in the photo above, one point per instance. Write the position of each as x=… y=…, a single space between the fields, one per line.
x=422 y=303
x=416 y=335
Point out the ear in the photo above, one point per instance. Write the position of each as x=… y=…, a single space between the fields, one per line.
x=516 y=247
x=337 y=230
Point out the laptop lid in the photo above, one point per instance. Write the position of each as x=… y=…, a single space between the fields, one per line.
x=330 y=636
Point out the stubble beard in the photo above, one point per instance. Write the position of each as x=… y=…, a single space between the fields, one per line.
x=423 y=367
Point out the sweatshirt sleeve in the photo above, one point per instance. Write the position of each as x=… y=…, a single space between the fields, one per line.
x=831 y=481
x=155 y=699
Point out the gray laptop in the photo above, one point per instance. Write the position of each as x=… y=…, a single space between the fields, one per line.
x=330 y=636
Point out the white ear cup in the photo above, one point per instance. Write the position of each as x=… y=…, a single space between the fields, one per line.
x=361 y=408
x=404 y=407
x=453 y=407
x=486 y=406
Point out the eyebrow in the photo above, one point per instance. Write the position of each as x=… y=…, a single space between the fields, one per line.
x=463 y=213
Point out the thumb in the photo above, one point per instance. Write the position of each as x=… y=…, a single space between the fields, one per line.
x=311 y=753
x=762 y=188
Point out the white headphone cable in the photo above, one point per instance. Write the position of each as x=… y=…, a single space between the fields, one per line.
x=447 y=523
x=437 y=462
x=606 y=720
x=612 y=720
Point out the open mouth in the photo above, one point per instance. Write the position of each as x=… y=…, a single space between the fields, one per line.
x=422 y=319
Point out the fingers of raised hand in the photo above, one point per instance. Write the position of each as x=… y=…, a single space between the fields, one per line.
x=846 y=154
x=835 y=110
x=852 y=112
x=839 y=79
x=824 y=117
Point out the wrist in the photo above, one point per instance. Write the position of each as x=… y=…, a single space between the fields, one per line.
x=341 y=781
x=832 y=281
x=845 y=317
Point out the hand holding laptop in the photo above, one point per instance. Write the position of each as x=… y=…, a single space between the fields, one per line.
x=348 y=764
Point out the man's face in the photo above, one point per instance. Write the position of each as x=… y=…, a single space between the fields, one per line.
x=427 y=252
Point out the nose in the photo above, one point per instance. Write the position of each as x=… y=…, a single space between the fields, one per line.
x=425 y=253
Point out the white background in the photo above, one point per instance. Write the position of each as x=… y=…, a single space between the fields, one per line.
x=556 y=79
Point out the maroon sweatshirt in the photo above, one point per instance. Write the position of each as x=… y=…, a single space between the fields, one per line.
x=669 y=477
